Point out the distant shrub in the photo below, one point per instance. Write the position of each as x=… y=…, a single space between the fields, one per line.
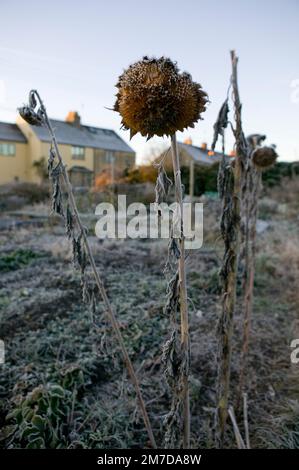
x=205 y=178
x=137 y=192
x=30 y=193
x=41 y=168
x=274 y=175
x=104 y=179
x=142 y=174
x=16 y=195
x=33 y=193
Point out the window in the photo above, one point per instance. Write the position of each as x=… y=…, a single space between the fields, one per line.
x=109 y=157
x=7 y=149
x=78 y=153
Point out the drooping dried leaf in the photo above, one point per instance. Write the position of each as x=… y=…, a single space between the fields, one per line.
x=172 y=296
x=171 y=357
x=176 y=369
x=51 y=160
x=57 y=196
x=255 y=140
x=69 y=222
x=221 y=123
x=163 y=184
x=174 y=248
x=32 y=100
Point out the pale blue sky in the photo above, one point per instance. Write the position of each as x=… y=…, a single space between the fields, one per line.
x=73 y=52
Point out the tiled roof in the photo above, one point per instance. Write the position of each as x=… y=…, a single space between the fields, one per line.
x=200 y=155
x=84 y=136
x=11 y=132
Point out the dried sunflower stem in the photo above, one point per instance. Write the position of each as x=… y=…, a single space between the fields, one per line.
x=246 y=427
x=251 y=219
x=230 y=282
x=183 y=293
x=239 y=439
x=99 y=282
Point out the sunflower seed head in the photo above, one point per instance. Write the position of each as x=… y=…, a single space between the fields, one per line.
x=155 y=98
x=264 y=157
x=30 y=116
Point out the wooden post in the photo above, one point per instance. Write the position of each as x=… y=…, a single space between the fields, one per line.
x=112 y=161
x=191 y=180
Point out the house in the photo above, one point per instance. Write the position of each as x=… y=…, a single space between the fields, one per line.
x=86 y=150
x=14 y=162
x=190 y=154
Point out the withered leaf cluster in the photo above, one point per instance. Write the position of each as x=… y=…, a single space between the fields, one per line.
x=221 y=123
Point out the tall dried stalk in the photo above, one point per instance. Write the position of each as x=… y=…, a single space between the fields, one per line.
x=184 y=325
x=245 y=415
x=259 y=158
x=251 y=196
x=155 y=98
x=238 y=436
x=176 y=349
x=41 y=118
x=252 y=180
x=241 y=443
x=230 y=228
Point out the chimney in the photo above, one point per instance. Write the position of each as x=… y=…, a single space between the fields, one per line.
x=73 y=118
x=204 y=146
x=188 y=141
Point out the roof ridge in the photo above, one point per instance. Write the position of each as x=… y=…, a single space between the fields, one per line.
x=83 y=125
x=86 y=136
x=195 y=146
x=200 y=148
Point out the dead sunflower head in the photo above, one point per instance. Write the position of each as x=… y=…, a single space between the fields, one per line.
x=29 y=112
x=264 y=157
x=29 y=115
x=154 y=98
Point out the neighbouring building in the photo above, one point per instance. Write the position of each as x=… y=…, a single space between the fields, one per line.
x=192 y=156
x=14 y=161
x=189 y=154
x=86 y=150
